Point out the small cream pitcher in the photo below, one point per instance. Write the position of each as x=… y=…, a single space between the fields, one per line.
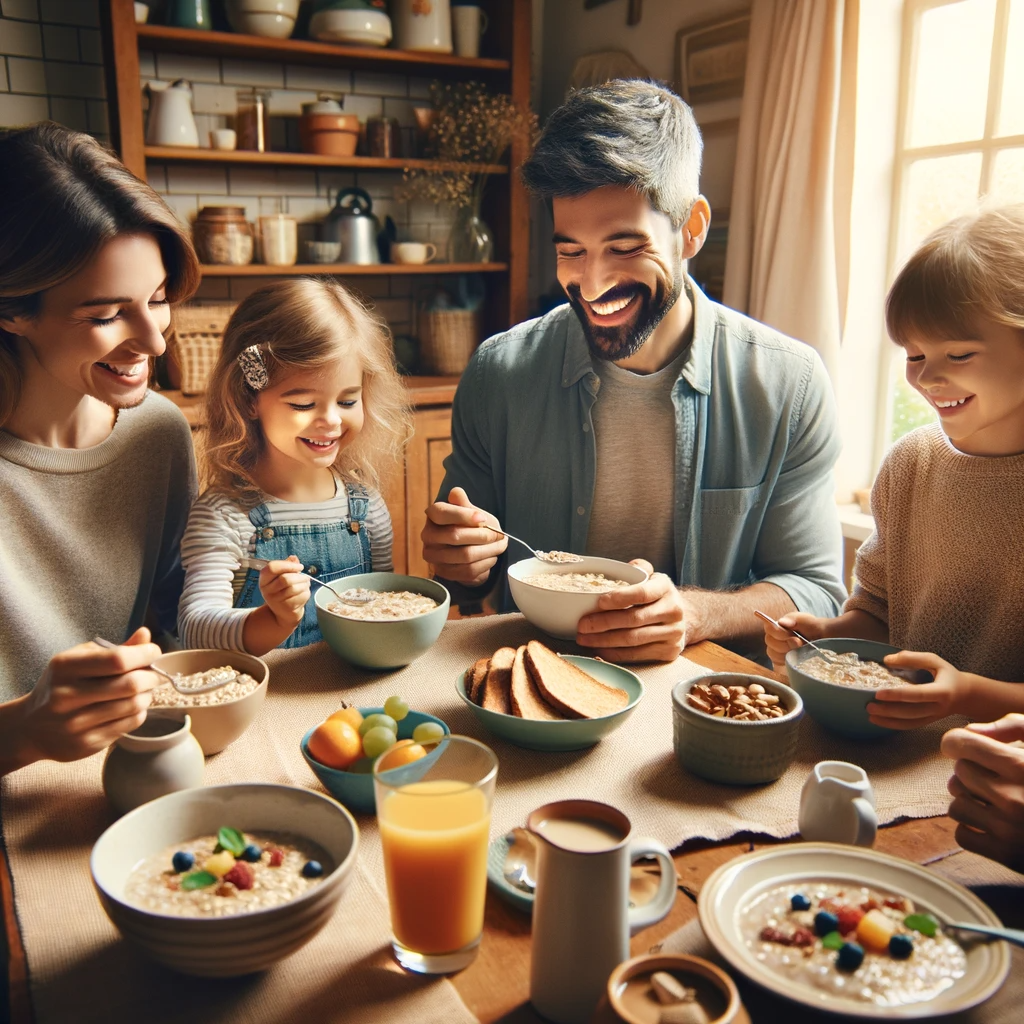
x=581 y=914
x=837 y=805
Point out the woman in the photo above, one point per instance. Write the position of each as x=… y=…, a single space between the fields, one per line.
x=96 y=472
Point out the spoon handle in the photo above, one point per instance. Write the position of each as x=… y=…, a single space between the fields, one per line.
x=152 y=668
x=1012 y=935
x=827 y=655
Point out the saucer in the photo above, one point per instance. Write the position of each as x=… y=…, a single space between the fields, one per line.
x=496 y=854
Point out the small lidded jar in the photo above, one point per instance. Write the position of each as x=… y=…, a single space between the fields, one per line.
x=221 y=234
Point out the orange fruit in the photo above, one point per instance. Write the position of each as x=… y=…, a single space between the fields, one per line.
x=353 y=716
x=402 y=753
x=336 y=743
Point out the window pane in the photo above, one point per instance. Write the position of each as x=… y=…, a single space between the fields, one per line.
x=1008 y=176
x=909 y=409
x=1011 y=113
x=949 y=93
x=937 y=190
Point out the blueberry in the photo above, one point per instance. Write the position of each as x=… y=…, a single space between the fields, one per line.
x=182 y=861
x=312 y=869
x=900 y=947
x=850 y=957
x=252 y=853
x=799 y=902
x=824 y=922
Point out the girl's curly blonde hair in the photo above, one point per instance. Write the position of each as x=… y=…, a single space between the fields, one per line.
x=302 y=324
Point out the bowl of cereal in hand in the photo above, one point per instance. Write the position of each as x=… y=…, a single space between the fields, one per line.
x=554 y=597
x=225 y=880
x=219 y=716
x=381 y=619
x=838 y=687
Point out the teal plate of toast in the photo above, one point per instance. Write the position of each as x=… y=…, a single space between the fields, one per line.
x=564 y=733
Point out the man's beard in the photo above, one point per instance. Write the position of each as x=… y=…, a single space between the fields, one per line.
x=614 y=343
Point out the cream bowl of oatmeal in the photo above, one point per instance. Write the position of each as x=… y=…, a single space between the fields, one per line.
x=746 y=910
x=220 y=716
x=836 y=695
x=389 y=632
x=555 y=597
x=275 y=918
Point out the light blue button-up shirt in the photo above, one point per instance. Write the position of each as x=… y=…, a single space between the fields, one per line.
x=756 y=442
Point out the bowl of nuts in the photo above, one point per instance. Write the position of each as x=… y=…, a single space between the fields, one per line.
x=735 y=728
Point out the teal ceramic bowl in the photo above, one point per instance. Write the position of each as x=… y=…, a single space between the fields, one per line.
x=842 y=709
x=382 y=644
x=570 y=733
x=356 y=791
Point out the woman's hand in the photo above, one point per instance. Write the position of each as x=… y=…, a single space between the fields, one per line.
x=910 y=707
x=285 y=591
x=87 y=697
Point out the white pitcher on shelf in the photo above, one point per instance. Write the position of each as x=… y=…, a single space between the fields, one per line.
x=424 y=25
x=170 y=115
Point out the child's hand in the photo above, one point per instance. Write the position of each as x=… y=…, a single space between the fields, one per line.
x=285 y=592
x=780 y=641
x=910 y=707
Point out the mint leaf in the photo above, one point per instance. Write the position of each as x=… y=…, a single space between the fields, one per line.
x=923 y=923
x=198 y=880
x=833 y=941
x=232 y=840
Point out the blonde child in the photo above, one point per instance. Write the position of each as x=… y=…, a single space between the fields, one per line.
x=944 y=570
x=305 y=414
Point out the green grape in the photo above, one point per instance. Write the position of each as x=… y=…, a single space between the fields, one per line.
x=396 y=708
x=377 y=740
x=376 y=721
x=427 y=732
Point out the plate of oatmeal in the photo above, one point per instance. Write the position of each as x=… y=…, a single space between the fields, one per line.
x=852 y=932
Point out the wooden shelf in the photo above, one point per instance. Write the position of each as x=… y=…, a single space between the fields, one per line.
x=350 y=269
x=305 y=51
x=190 y=154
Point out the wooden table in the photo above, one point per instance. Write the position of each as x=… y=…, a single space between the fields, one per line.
x=496 y=986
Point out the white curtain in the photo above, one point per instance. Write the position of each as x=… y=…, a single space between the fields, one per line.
x=787 y=261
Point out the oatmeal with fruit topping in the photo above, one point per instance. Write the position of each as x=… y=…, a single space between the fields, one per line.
x=166 y=696
x=575 y=582
x=850 y=670
x=852 y=942
x=383 y=605
x=228 y=873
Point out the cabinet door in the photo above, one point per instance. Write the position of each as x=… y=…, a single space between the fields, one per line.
x=424 y=471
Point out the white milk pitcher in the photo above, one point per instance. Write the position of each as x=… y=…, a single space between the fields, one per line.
x=581 y=914
x=837 y=805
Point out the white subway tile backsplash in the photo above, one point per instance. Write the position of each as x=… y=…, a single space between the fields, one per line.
x=22 y=109
x=27 y=76
x=91 y=45
x=3 y=74
x=375 y=84
x=401 y=110
x=307 y=210
x=196 y=178
x=69 y=112
x=380 y=184
x=208 y=98
x=184 y=207
x=249 y=181
x=252 y=72
x=364 y=106
x=170 y=66
x=422 y=210
x=205 y=123
x=20 y=38
x=99 y=119
x=156 y=175
x=60 y=42
x=66 y=79
x=147 y=64
x=328 y=182
x=318 y=79
x=419 y=88
x=27 y=10
x=289 y=101
x=71 y=12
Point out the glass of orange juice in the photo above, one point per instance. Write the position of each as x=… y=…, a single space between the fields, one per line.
x=435 y=818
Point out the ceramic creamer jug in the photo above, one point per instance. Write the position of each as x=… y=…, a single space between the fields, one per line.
x=170 y=115
x=582 y=919
x=422 y=25
x=837 y=805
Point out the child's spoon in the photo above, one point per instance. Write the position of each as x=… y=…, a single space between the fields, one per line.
x=354 y=596
x=826 y=654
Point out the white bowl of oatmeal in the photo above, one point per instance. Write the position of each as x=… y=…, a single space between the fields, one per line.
x=391 y=630
x=220 y=716
x=555 y=597
x=198 y=931
x=747 y=911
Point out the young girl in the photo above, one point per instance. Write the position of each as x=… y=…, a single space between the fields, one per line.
x=943 y=571
x=305 y=415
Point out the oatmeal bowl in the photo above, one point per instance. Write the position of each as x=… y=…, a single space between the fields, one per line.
x=389 y=622
x=555 y=597
x=225 y=880
x=837 y=691
x=220 y=716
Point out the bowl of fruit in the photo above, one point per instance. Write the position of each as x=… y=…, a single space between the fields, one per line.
x=341 y=750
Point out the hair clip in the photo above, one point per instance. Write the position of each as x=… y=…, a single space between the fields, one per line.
x=254 y=370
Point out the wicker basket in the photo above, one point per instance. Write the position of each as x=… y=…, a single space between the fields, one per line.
x=194 y=344
x=447 y=339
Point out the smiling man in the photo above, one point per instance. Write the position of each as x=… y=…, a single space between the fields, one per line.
x=643 y=421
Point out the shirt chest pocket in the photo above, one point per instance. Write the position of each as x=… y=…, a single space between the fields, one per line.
x=731 y=519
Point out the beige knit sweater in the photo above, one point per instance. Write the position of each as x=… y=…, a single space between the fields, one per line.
x=945 y=565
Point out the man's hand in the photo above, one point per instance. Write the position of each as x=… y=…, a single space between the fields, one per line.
x=988 y=788
x=285 y=591
x=458 y=540
x=910 y=707
x=643 y=622
x=779 y=642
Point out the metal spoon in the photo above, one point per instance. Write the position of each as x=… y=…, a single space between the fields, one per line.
x=826 y=654
x=551 y=557
x=355 y=596
x=1012 y=935
x=223 y=677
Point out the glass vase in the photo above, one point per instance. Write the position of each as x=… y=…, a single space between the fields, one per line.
x=470 y=240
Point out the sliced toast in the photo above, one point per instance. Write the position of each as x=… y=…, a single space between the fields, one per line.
x=570 y=689
x=526 y=699
x=475 y=679
x=495 y=695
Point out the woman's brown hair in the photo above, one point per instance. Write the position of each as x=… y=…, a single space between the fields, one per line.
x=967 y=273
x=62 y=198
x=304 y=323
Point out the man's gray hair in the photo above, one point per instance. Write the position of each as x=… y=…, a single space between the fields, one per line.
x=626 y=132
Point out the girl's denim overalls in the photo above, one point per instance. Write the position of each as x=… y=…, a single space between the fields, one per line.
x=328 y=551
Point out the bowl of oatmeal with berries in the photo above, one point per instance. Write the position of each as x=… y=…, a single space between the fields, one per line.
x=225 y=880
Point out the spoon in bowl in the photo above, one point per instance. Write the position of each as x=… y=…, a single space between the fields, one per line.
x=354 y=596
x=826 y=654
x=220 y=680
x=551 y=557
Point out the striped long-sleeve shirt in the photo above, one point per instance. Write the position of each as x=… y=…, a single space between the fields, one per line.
x=218 y=543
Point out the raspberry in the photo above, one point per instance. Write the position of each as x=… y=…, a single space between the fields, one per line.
x=276 y=857
x=241 y=875
x=774 y=935
x=849 y=918
x=802 y=937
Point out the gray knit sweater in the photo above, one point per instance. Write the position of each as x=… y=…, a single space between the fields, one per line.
x=89 y=538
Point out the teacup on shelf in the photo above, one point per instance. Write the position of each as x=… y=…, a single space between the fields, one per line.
x=413 y=252
x=323 y=252
x=223 y=138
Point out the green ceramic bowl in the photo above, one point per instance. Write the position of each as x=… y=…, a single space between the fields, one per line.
x=570 y=733
x=382 y=644
x=842 y=709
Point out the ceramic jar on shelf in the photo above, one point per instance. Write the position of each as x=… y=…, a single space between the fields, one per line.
x=222 y=235
x=424 y=25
